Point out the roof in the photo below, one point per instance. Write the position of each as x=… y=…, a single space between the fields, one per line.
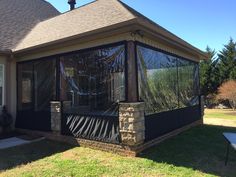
x=18 y=17
x=95 y=15
x=90 y=18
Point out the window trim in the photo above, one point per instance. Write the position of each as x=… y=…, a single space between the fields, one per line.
x=3 y=84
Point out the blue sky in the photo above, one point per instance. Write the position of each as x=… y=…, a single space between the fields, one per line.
x=199 y=22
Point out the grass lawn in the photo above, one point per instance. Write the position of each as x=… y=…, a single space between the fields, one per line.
x=221 y=117
x=197 y=152
x=228 y=114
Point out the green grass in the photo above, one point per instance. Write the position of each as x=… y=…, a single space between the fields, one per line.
x=197 y=152
x=220 y=114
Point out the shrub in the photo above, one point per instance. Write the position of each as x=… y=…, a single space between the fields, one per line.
x=227 y=91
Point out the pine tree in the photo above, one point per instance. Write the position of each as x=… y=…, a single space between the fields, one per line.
x=227 y=62
x=208 y=73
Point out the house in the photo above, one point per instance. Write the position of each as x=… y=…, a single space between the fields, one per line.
x=101 y=72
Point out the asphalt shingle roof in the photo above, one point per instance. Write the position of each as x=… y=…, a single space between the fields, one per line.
x=26 y=24
x=93 y=16
x=18 y=17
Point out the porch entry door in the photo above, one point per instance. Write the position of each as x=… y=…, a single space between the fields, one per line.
x=36 y=88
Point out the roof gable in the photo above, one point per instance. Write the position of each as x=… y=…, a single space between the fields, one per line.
x=93 y=16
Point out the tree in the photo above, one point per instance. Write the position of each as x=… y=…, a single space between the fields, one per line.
x=227 y=91
x=217 y=70
x=227 y=62
x=209 y=80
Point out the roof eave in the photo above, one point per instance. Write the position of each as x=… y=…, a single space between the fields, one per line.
x=133 y=24
x=171 y=38
x=117 y=28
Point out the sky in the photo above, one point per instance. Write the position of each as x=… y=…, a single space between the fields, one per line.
x=202 y=23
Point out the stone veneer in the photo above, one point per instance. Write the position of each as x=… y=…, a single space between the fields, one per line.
x=56 y=116
x=132 y=123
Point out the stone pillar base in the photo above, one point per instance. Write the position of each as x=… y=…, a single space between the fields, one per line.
x=56 y=117
x=132 y=123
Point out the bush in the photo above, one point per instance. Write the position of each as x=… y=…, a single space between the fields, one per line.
x=5 y=119
x=227 y=91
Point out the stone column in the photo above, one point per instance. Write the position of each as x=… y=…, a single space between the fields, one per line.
x=132 y=123
x=56 y=117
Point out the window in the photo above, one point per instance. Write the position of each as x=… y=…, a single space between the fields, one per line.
x=2 y=84
x=166 y=82
x=93 y=81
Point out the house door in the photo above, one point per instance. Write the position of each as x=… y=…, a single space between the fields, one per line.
x=36 y=88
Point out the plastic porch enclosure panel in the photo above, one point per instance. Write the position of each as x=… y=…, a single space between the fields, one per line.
x=89 y=83
x=92 y=85
x=36 y=88
x=169 y=86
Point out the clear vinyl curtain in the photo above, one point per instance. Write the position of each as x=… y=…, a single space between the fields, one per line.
x=94 y=81
x=36 y=85
x=166 y=82
x=92 y=85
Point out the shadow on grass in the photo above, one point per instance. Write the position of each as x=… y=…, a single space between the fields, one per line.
x=201 y=148
x=20 y=155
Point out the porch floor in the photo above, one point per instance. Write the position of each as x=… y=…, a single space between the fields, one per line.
x=17 y=141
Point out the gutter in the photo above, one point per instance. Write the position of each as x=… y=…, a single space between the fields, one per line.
x=5 y=52
x=8 y=53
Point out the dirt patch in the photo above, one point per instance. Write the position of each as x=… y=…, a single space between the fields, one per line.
x=231 y=114
x=70 y=155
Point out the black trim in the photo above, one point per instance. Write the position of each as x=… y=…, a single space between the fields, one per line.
x=17 y=93
x=177 y=64
x=136 y=70
x=58 y=79
x=126 y=71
